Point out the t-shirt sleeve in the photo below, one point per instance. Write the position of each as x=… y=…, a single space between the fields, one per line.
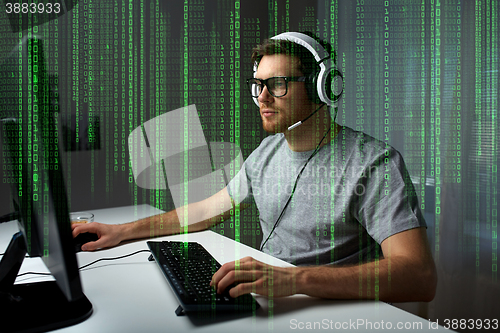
x=389 y=204
x=239 y=188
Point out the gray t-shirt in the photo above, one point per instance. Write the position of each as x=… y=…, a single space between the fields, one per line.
x=354 y=193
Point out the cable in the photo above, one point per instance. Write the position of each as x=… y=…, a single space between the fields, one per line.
x=89 y=264
x=35 y=273
x=10 y=217
x=26 y=256
x=121 y=257
x=293 y=190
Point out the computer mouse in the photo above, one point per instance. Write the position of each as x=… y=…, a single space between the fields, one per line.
x=82 y=239
x=225 y=293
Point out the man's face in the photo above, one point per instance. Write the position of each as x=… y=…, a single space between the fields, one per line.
x=278 y=113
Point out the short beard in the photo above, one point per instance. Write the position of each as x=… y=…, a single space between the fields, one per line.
x=274 y=129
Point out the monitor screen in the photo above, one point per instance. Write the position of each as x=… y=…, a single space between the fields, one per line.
x=30 y=142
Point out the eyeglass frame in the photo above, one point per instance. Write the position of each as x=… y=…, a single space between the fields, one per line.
x=264 y=83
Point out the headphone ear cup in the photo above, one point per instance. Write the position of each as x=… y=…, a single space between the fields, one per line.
x=312 y=91
x=334 y=85
x=256 y=101
x=253 y=90
x=328 y=87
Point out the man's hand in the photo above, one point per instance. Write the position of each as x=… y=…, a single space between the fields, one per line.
x=109 y=235
x=253 y=276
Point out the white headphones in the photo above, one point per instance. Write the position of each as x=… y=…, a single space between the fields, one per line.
x=320 y=85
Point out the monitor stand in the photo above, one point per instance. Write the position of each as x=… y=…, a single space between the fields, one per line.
x=34 y=307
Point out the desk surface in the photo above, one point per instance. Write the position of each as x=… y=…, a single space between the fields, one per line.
x=131 y=294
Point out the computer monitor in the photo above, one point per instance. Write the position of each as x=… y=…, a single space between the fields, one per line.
x=30 y=143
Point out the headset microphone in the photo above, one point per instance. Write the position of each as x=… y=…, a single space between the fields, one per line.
x=303 y=120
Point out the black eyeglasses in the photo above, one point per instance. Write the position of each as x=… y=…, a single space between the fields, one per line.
x=277 y=85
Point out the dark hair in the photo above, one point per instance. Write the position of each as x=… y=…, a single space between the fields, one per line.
x=307 y=64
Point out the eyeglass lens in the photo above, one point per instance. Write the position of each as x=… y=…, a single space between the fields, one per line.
x=276 y=86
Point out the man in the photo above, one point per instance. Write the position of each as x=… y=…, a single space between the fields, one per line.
x=329 y=198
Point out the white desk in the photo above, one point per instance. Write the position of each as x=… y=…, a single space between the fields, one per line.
x=131 y=294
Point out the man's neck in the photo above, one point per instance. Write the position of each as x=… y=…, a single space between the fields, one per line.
x=308 y=135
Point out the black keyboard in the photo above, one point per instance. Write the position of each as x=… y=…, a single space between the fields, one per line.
x=189 y=268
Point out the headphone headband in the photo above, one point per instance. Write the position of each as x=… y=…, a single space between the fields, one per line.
x=306 y=41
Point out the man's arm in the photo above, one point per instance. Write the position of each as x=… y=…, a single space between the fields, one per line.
x=406 y=273
x=190 y=218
